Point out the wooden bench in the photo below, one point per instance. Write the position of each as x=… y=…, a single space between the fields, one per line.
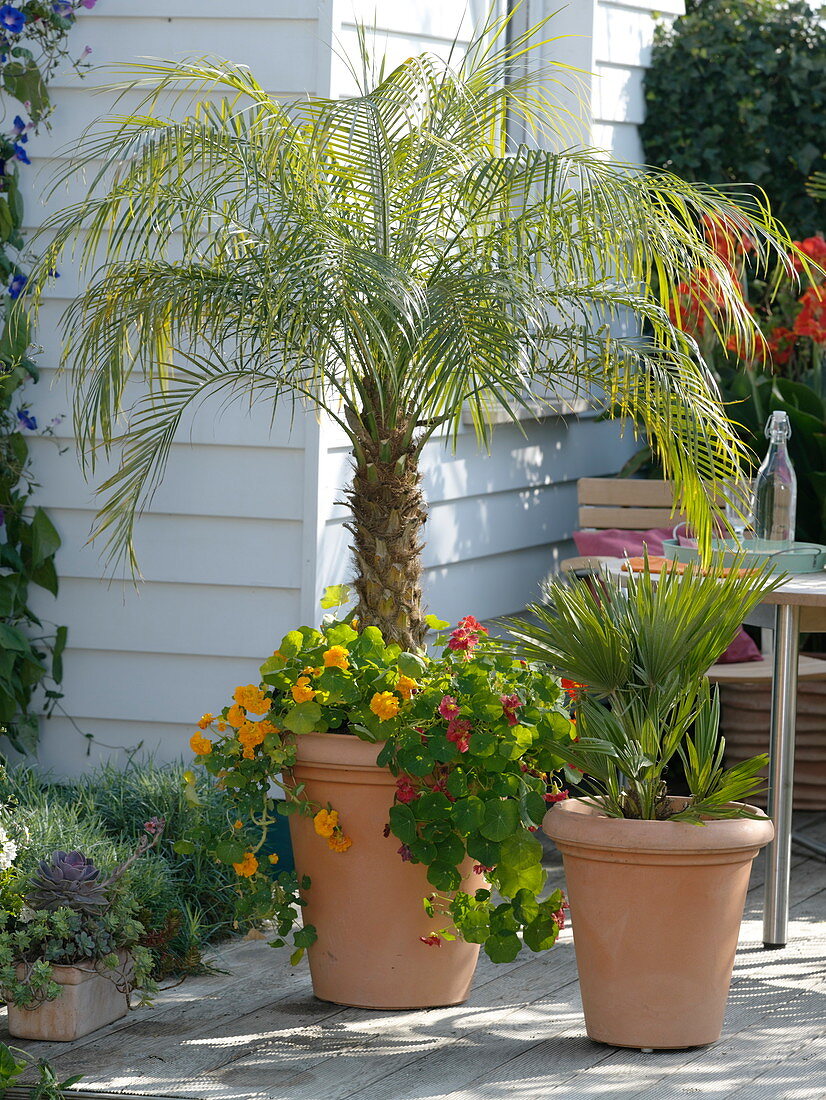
x=630 y=504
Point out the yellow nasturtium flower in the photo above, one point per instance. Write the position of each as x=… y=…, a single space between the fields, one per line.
x=252 y=699
x=339 y=842
x=250 y=735
x=405 y=686
x=385 y=705
x=205 y=720
x=236 y=716
x=247 y=867
x=201 y=746
x=325 y=822
x=336 y=657
x=301 y=691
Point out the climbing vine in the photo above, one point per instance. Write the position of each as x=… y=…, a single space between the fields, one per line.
x=32 y=45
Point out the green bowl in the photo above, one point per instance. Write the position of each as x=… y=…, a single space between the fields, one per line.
x=797 y=557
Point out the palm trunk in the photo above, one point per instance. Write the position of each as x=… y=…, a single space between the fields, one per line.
x=388 y=515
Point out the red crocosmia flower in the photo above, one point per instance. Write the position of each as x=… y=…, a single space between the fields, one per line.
x=448 y=708
x=510 y=705
x=811 y=321
x=405 y=791
x=458 y=731
x=781 y=344
x=432 y=940
x=725 y=238
x=556 y=796
x=814 y=248
x=573 y=689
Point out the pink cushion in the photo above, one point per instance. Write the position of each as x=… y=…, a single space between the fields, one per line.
x=613 y=543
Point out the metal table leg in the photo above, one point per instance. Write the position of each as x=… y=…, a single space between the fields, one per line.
x=781 y=774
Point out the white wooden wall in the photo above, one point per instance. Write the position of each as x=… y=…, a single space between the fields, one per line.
x=245 y=532
x=222 y=550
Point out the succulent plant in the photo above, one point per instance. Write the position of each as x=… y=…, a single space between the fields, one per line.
x=68 y=880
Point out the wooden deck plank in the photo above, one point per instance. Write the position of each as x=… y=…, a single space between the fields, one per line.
x=257 y=1033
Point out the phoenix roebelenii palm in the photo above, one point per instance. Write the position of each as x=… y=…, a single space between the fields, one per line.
x=389 y=260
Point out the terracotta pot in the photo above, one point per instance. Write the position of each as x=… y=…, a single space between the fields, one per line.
x=88 y=1000
x=366 y=903
x=656 y=908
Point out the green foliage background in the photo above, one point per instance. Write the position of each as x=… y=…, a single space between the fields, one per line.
x=736 y=94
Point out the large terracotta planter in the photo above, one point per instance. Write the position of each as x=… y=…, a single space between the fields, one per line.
x=88 y=1000
x=656 y=908
x=366 y=903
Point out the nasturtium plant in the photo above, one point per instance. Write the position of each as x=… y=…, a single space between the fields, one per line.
x=473 y=738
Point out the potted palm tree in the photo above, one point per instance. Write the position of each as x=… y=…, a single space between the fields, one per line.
x=656 y=880
x=389 y=260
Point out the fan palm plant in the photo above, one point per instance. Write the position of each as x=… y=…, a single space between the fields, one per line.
x=643 y=647
x=389 y=260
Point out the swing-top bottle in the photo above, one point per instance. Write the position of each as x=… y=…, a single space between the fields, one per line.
x=775 y=489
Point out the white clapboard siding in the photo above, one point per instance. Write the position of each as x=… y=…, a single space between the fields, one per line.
x=623 y=35
x=222 y=546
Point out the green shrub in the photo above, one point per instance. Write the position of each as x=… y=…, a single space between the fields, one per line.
x=736 y=93
x=185 y=901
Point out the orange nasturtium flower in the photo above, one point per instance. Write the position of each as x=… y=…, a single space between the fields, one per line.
x=385 y=705
x=250 y=735
x=274 y=858
x=248 y=865
x=252 y=699
x=339 y=842
x=325 y=822
x=405 y=686
x=236 y=716
x=336 y=657
x=201 y=746
x=301 y=690
x=205 y=720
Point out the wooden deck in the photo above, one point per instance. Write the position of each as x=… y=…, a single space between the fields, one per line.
x=255 y=1031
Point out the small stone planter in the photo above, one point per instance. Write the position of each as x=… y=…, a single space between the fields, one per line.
x=88 y=999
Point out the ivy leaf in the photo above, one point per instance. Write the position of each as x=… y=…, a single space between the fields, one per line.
x=503 y=947
x=443 y=876
x=45 y=539
x=336 y=595
x=57 y=653
x=468 y=814
x=403 y=823
x=229 y=851
x=435 y=623
x=410 y=664
x=501 y=819
x=541 y=933
x=303 y=718
x=23 y=81
x=12 y=638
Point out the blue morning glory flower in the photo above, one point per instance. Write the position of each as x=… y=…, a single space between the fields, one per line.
x=19 y=124
x=21 y=154
x=26 y=419
x=62 y=8
x=17 y=285
x=12 y=19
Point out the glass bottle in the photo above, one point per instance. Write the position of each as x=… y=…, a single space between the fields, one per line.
x=775 y=489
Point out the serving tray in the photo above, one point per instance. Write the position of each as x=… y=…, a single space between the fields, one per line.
x=797 y=557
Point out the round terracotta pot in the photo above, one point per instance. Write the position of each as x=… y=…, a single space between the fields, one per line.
x=366 y=903
x=656 y=908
